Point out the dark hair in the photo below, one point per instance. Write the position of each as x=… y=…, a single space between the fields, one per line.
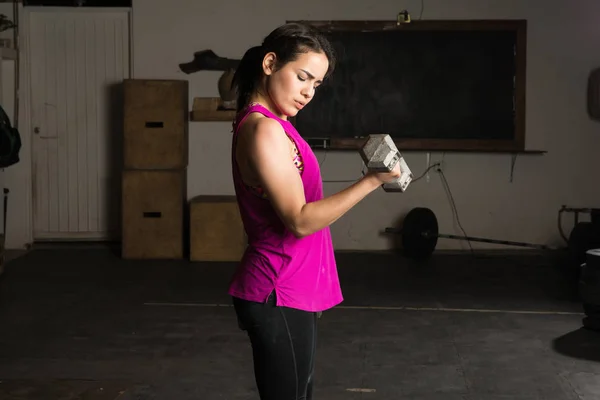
x=287 y=42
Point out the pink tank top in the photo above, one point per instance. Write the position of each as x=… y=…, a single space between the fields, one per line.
x=302 y=272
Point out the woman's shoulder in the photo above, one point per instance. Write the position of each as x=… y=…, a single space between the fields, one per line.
x=260 y=129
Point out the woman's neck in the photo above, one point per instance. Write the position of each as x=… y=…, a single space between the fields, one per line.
x=266 y=102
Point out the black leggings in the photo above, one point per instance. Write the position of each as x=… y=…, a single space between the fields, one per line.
x=283 y=345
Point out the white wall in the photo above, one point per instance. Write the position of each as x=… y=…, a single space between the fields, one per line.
x=563 y=38
x=562 y=48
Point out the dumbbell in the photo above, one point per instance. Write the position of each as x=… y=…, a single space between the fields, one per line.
x=379 y=153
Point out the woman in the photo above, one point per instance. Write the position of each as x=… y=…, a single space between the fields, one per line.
x=288 y=274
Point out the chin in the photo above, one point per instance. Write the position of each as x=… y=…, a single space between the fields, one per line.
x=292 y=111
x=289 y=111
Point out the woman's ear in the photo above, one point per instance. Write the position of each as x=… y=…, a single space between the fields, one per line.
x=268 y=64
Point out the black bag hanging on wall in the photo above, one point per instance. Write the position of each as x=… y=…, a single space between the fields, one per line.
x=10 y=141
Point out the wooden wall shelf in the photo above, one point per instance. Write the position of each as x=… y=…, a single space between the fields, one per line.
x=354 y=144
x=210 y=109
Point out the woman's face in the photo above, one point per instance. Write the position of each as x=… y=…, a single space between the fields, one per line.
x=292 y=87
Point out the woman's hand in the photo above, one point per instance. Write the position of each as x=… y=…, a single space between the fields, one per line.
x=386 y=177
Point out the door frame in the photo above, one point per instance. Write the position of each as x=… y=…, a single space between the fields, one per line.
x=25 y=99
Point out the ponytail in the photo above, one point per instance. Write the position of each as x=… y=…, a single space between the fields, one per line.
x=247 y=75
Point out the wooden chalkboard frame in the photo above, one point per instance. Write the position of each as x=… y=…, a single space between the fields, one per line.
x=517 y=144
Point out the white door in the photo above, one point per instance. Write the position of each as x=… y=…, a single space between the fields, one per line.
x=79 y=57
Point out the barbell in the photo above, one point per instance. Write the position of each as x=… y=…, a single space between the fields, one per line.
x=420 y=233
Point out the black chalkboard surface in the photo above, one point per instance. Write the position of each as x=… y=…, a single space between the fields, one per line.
x=452 y=85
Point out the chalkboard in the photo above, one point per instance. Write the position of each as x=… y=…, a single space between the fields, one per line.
x=447 y=85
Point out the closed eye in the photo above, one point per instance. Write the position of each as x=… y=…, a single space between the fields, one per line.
x=310 y=76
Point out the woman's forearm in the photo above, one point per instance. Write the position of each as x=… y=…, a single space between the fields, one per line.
x=317 y=215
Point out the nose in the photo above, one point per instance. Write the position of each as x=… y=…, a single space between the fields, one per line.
x=307 y=92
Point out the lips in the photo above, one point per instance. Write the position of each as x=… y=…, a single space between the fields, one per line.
x=299 y=105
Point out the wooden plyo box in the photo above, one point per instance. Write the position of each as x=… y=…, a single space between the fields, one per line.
x=216 y=229
x=153 y=214
x=156 y=119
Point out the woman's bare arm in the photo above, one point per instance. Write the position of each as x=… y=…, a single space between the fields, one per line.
x=269 y=156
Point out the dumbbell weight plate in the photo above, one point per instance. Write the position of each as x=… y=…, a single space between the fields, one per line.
x=581 y=239
x=419 y=233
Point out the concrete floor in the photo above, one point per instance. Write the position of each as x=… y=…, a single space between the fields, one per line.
x=80 y=323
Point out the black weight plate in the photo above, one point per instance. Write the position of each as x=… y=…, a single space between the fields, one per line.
x=589 y=275
x=591 y=310
x=595 y=220
x=589 y=293
x=592 y=259
x=419 y=233
x=589 y=279
x=591 y=323
x=581 y=239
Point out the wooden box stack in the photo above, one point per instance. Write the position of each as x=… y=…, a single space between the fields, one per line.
x=154 y=184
